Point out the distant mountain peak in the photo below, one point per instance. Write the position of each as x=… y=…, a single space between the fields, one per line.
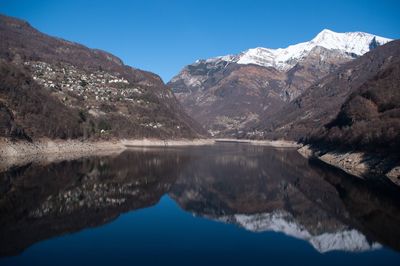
x=350 y=43
x=324 y=33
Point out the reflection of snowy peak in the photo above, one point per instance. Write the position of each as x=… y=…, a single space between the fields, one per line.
x=350 y=44
x=350 y=240
x=283 y=222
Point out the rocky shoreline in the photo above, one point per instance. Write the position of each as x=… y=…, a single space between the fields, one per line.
x=362 y=165
x=166 y=143
x=17 y=149
x=270 y=143
x=13 y=153
x=359 y=164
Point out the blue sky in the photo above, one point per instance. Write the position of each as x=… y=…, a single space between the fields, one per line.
x=164 y=36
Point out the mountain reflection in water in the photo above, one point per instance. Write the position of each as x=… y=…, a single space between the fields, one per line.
x=256 y=188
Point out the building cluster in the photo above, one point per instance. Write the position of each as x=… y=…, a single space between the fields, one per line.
x=98 y=86
x=92 y=90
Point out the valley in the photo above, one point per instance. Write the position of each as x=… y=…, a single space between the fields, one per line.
x=337 y=93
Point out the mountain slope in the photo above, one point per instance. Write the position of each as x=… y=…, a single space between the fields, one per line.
x=257 y=82
x=58 y=89
x=349 y=106
x=370 y=117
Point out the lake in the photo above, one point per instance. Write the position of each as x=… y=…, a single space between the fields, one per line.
x=235 y=204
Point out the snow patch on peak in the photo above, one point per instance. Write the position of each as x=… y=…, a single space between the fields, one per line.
x=349 y=43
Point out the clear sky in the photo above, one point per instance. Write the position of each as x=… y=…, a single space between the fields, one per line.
x=164 y=36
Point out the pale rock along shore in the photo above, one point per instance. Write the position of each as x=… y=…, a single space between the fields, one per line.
x=68 y=147
x=13 y=153
x=271 y=143
x=358 y=164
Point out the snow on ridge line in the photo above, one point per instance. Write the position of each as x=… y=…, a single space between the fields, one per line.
x=351 y=43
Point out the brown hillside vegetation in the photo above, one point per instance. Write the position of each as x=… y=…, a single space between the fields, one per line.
x=370 y=117
x=356 y=107
x=58 y=89
x=40 y=114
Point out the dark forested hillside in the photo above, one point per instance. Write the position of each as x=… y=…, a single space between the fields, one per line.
x=357 y=106
x=370 y=117
x=28 y=110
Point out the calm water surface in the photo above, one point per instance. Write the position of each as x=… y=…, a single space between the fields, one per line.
x=225 y=204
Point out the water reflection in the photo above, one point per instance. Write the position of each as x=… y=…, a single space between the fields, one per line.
x=257 y=188
x=277 y=190
x=41 y=201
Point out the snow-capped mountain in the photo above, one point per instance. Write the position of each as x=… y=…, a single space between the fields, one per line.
x=231 y=94
x=353 y=44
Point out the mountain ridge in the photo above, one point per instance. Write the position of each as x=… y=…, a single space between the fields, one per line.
x=285 y=58
x=322 y=101
x=231 y=95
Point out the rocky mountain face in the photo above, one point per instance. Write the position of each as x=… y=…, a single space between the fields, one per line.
x=58 y=89
x=232 y=94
